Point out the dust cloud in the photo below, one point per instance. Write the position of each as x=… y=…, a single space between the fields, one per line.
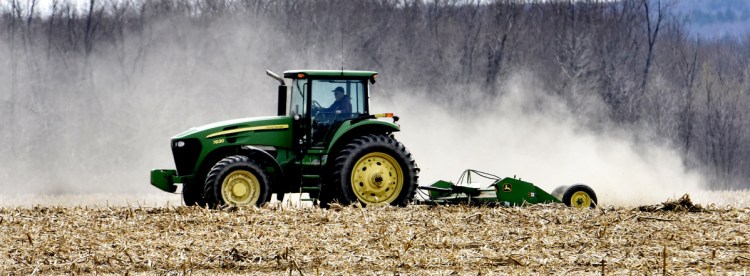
x=102 y=138
x=529 y=134
x=99 y=124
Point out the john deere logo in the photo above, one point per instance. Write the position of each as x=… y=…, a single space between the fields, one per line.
x=507 y=187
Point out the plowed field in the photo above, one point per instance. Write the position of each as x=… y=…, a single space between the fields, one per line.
x=543 y=239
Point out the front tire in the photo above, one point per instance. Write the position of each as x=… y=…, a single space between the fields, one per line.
x=237 y=181
x=373 y=169
x=192 y=194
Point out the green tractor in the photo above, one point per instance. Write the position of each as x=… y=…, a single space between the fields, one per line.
x=326 y=143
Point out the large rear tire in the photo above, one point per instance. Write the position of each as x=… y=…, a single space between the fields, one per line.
x=373 y=169
x=237 y=181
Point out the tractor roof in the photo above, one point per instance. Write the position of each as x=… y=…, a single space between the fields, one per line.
x=294 y=74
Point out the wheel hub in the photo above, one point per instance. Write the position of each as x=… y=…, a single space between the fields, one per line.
x=377 y=178
x=239 y=190
x=580 y=199
x=240 y=187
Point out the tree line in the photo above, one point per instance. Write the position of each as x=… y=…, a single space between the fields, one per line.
x=100 y=65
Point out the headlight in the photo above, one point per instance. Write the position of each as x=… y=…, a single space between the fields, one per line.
x=180 y=144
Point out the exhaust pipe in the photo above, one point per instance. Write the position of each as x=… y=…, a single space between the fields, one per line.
x=282 y=93
x=273 y=75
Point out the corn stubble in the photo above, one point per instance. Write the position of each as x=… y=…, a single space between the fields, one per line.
x=413 y=240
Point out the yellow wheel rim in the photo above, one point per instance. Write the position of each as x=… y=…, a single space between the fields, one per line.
x=240 y=187
x=377 y=179
x=580 y=199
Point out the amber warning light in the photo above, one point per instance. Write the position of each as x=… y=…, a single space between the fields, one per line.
x=386 y=115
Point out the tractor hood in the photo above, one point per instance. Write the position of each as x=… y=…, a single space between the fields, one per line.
x=236 y=126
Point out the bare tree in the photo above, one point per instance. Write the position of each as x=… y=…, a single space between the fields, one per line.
x=505 y=16
x=91 y=24
x=652 y=33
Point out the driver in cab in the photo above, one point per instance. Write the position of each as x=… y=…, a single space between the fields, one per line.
x=341 y=107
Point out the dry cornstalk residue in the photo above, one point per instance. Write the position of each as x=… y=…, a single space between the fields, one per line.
x=684 y=204
x=415 y=240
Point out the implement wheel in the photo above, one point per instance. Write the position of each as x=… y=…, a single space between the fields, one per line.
x=237 y=181
x=579 y=196
x=374 y=170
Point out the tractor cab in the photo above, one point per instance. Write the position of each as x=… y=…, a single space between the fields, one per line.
x=321 y=100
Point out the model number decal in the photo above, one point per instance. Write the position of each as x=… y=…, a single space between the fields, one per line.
x=218 y=141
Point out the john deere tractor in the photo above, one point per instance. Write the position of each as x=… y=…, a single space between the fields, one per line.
x=328 y=146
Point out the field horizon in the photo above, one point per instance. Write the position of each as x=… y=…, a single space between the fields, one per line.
x=721 y=199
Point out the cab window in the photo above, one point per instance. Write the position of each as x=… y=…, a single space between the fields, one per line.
x=299 y=94
x=339 y=99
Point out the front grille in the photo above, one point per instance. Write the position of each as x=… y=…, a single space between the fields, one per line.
x=186 y=156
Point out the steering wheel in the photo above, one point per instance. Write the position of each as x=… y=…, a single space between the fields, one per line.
x=319 y=114
x=316 y=105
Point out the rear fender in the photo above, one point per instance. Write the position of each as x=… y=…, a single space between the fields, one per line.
x=349 y=131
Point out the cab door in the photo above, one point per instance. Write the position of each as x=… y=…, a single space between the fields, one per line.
x=298 y=110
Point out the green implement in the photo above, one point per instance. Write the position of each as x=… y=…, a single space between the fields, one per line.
x=507 y=191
